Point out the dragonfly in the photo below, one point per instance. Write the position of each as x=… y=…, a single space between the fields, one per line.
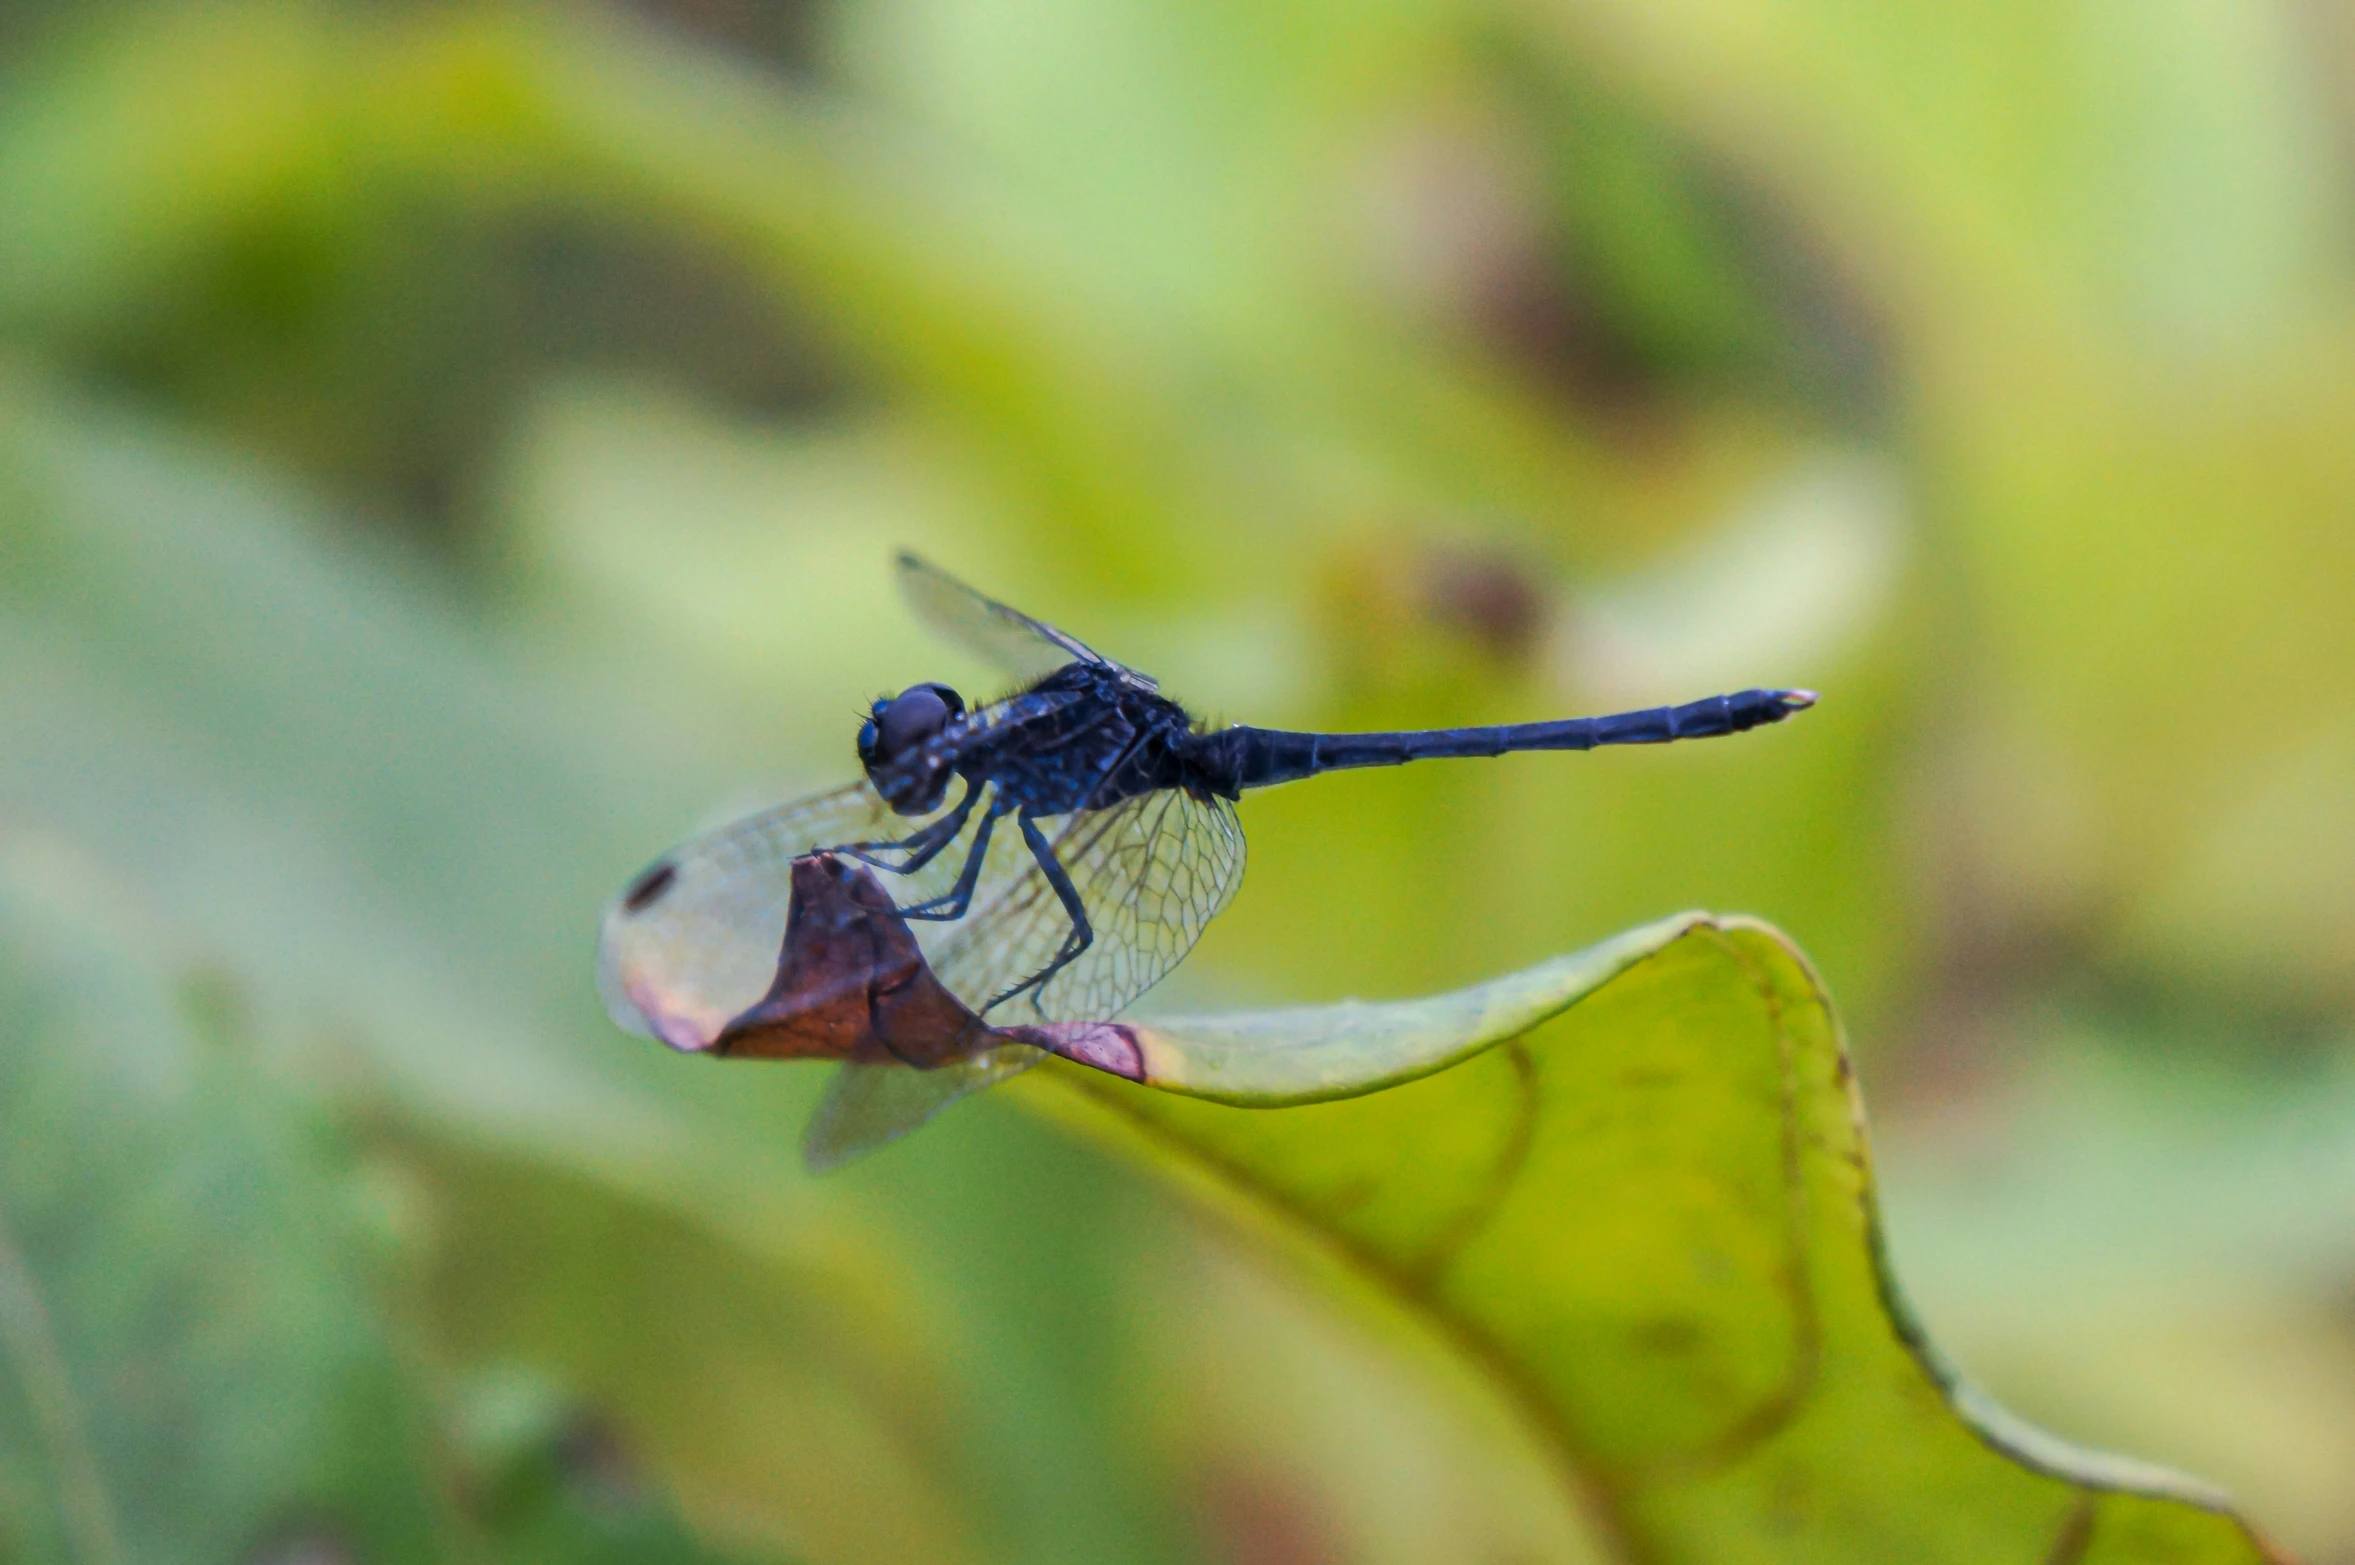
x=1056 y=851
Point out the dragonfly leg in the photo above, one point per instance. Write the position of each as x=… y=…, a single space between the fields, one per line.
x=921 y=846
x=1083 y=934
x=952 y=904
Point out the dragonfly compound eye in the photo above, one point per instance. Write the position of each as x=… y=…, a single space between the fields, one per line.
x=916 y=716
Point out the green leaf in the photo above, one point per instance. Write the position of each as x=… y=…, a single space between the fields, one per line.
x=193 y=1364
x=1641 y=1204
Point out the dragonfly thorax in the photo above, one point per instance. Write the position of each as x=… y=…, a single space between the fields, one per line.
x=1082 y=738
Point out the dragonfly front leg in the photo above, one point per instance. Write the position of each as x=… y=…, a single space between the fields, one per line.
x=921 y=846
x=1083 y=934
x=952 y=904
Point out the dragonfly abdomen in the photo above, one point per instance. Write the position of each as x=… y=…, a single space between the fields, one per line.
x=1239 y=758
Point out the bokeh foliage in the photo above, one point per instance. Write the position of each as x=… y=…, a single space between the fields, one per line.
x=444 y=451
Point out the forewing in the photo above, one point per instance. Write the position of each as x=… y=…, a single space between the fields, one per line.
x=866 y=1106
x=694 y=940
x=1152 y=871
x=1024 y=647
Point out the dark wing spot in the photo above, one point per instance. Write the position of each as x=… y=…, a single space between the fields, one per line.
x=648 y=888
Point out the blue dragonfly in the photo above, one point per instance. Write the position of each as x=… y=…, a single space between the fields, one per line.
x=1058 y=850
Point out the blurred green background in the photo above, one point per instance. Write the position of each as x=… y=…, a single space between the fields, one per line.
x=449 y=452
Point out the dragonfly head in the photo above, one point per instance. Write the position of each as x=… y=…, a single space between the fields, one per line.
x=895 y=746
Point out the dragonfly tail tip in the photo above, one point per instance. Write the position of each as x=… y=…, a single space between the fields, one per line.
x=1798 y=700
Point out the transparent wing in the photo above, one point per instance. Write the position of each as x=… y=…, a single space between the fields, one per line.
x=694 y=940
x=1025 y=648
x=866 y=1106
x=1151 y=871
